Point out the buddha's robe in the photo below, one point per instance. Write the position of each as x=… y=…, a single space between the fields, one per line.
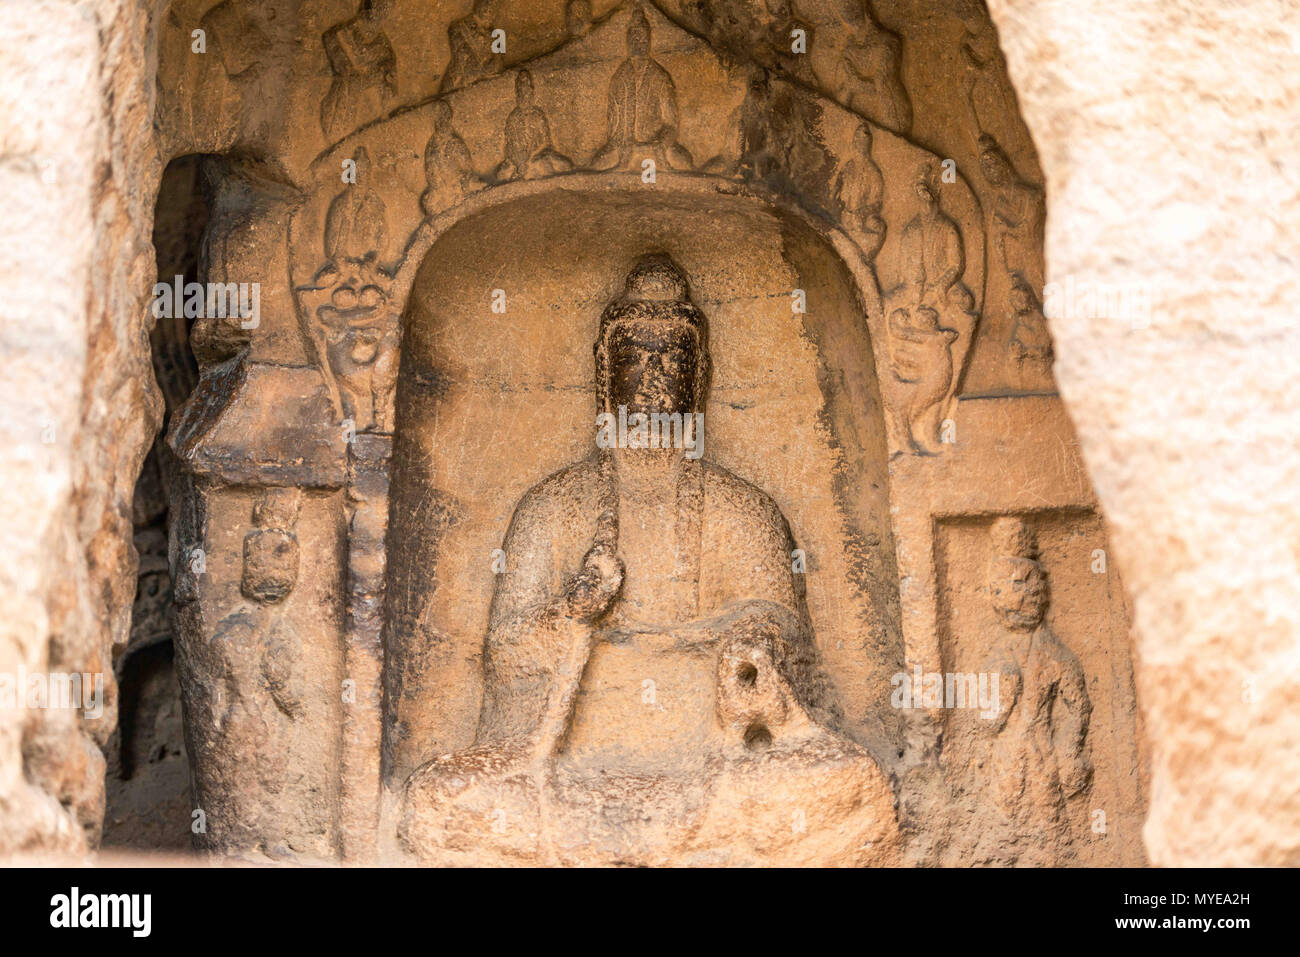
x=574 y=746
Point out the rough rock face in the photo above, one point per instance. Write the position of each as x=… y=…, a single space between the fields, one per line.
x=1168 y=136
x=79 y=172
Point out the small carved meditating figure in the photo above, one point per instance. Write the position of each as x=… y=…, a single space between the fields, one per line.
x=642 y=109
x=651 y=688
x=528 y=150
x=1038 y=753
x=448 y=165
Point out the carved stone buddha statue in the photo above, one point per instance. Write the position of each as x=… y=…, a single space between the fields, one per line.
x=652 y=692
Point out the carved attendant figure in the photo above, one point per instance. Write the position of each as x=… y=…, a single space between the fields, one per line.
x=866 y=75
x=1018 y=216
x=365 y=72
x=470 y=39
x=933 y=251
x=577 y=18
x=356 y=225
x=1031 y=344
x=861 y=190
x=642 y=109
x=649 y=665
x=1039 y=755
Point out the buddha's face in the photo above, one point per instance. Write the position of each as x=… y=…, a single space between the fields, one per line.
x=1019 y=592
x=652 y=367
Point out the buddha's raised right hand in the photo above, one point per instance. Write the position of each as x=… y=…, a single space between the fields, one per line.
x=593 y=590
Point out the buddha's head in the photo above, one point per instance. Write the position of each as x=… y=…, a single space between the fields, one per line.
x=1017 y=580
x=652 y=351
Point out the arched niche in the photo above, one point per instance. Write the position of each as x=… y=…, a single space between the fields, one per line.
x=490 y=403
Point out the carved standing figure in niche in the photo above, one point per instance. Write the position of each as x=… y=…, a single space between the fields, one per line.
x=448 y=165
x=351 y=319
x=470 y=39
x=642 y=109
x=780 y=144
x=1038 y=749
x=244 y=690
x=203 y=101
x=920 y=357
x=861 y=191
x=929 y=311
x=984 y=79
x=250 y=41
x=761 y=154
x=649 y=667
x=528 y=150
x=364 y=68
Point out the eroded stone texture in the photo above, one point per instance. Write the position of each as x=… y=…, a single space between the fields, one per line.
x=1168 y=135
x=862 y=230
x=424 y=616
